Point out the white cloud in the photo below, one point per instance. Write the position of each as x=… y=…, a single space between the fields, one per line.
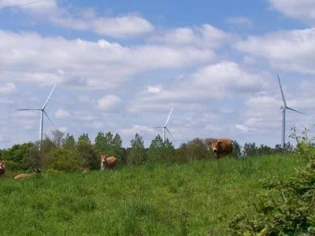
x=300 y=9
x=240 y=21
x=62 y=113
x=291 y=50
x=109 y=103
x=205 y=36
x=29 y=5
x=7 y=88
x=223 y=80
x=31 y=57
x=120 y=27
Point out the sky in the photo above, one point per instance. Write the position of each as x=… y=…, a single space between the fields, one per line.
x=121 y=66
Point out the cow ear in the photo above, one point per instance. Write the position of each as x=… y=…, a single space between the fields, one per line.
x=219 y=141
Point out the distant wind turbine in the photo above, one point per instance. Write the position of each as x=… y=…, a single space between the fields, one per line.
x=42 y=112
x=284 y=108
x=165 y=126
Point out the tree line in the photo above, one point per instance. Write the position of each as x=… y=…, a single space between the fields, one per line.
x=62 y=152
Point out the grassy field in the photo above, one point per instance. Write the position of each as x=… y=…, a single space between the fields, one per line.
x=196 y=198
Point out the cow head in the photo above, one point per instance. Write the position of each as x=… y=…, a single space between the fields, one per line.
x=103 y=158
x=2 y=165
x=215 y=145
x=37 y=170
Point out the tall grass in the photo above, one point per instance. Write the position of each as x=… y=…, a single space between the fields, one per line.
x=196 y=198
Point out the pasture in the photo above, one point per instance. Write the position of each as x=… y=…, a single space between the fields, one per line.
x=196 y=198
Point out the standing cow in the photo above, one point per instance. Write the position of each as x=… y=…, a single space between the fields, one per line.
x=221 y=147
x=2 y=168
x=108 y=162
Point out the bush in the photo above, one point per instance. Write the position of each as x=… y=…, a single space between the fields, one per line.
x=62 y=160
x=288 y=208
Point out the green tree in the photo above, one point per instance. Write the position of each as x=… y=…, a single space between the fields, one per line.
x=137 y=154
x=99 y=144
x=117 y=147
x=237 y=153
x=195 y=149
x=69 y=142
x=87 y=155
x=155 y=151
x=62 y=160
x=84 y=137
x=57 y=138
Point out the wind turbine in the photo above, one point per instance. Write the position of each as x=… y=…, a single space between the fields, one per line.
x=165 y=126
x=42 y=112
x=284 y=108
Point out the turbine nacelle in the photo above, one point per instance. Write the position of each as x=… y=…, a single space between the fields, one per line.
x=283 y=109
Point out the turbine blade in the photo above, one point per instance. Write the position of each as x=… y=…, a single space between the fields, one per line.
x=49 y=96
x=168 y=118
x=169 y=132
x=29 y=109
x=282 y=94
x=289 y=108
x=49 y=119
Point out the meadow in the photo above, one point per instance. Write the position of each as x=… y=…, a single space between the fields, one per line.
x=195 y=198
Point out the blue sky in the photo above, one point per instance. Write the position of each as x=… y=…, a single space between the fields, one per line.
x=120 y=66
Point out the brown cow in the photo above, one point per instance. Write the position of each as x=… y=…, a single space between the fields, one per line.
x=221 y=147
x=109 y=162
x=21 y=176
x=2 y=168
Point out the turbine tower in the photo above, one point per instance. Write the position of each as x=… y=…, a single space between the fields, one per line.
x=284 y=108
x=42 y=112
x=165 y=126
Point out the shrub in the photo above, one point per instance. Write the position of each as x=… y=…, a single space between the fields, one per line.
x=288 y=208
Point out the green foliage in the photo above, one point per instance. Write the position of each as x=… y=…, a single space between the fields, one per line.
x=137 y=154
x=160 y=151
x=18 y=156
x=69 y=142
x=196 y=149
x=288 y=208
x=84 y=137
x=194 y=198
x=62 y=160
x=86 y=155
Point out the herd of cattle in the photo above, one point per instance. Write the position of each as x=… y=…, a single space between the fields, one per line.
x=221 y=147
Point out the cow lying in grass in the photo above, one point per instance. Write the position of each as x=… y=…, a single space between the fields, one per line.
x=2 y=168
x=85 y=170
x=108 y=162
x=21 y=176
x=221 y=147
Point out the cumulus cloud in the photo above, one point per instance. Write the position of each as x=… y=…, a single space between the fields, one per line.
x=222 y=80
x=300 y=9
x=240 y=21
x=7 y=88
x=291 y=50
x=32 y=57
x=109 y=103
x=206 y=36
x=120 y=27
x=62 y=113
x=129 y=25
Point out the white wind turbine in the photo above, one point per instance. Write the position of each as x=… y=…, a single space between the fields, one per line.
x=42 y=112
x=165 y=126
x=284 y=108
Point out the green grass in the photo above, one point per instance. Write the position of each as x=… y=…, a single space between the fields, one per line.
x=196 y=198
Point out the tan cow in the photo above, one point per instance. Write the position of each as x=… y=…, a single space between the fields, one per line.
x=221 y=147
x=21 y=176
x=2 y=168
x=108 y=162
